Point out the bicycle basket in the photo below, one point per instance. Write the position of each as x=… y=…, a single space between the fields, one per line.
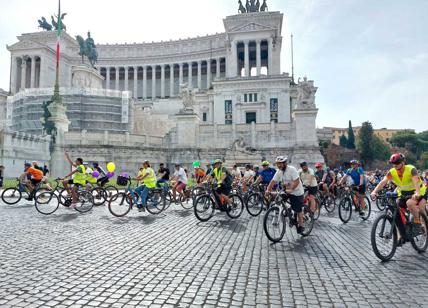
x=122 y=181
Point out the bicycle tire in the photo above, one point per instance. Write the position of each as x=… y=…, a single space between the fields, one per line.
x=317 y=213
x=384 y=257
x=345 y=209
x=414 y=239
x=99 y=195
x=85 y=202
x=273 y=216
x=308 y=221
x=330 y=204
x=368 y=209
x=119 y=202
x=46 y=202
x=110 y=191
x=155 y=203
x=185 y=201
x=254 y=204
x=234 y=210
x=204 y=204
x=8 y=196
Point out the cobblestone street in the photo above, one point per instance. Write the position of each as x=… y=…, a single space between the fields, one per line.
x=69 y=259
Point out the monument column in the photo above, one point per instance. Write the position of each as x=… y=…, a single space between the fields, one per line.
x=190 y=66
x=234 y=64
x=117 y=78
x=33 y=72
x=171 y=80
x=217 y=72
x=199 y=74
x=270 y=56
x=258 y=57
x=135 y=81
x=208 y=73
x=247 y=58
x=144 y=82
x=153 y=82
x=13 y=76
x=23 y=73
x=180 y=77
x=163 y=81
x=126 y=78
x=108 y=77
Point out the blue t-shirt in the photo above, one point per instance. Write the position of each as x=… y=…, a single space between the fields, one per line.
x=355 y=175
x=267 y=175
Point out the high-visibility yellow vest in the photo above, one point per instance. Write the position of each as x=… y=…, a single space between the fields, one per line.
x=89 y=176
x=405 y=183
x=80 y=177
x=150 y=180
x=218 y=174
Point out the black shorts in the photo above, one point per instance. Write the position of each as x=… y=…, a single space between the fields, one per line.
x=224 y=190
x=361 y=189
x=296 y=203
x=402 y=201
x=312 y=190
x=70 y=182
x=102 y=181
x=35 y=182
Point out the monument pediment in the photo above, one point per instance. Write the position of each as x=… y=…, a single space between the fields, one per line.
x=24 y=45
x=251 y=27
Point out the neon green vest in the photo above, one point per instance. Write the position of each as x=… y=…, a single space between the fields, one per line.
x=89 y=176
x=405 y=183
x=80 y=177
x=218 y=174
x=150 y=180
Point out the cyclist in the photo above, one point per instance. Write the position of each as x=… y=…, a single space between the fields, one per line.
x=307 y=176
x=149 y=182
x=236 y=174
x=248 y=177
x=102 y=178
x=78 y=178
x=199 y=172
x=90 y=180
x=36 y=176
x=163 y=174
x=325 y=177
x=266 y=174
x=409 y=184
x=180 y=178
x=224 y=181
x=356 y=173
x=288 y=177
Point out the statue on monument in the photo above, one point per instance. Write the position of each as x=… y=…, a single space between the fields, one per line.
x=241 y=8
x=88 y=49
x=55 y=24
x=188 y=98
x=264 y=7
x=44 y=24
x=252 y=6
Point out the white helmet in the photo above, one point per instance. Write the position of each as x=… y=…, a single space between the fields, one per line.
x=281 y=159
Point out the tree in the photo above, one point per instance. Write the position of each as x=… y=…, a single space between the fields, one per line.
x=424 y=161
x=411 y=141
x=343 y=141
x=351 y=137
x=366 y=142
x=381 y=150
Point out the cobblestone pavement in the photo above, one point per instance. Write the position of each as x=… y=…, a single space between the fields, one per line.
x=69 y=259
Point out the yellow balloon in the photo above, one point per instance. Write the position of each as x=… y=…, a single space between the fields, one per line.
x=111 y=167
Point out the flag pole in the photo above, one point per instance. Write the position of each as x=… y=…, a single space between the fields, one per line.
x=56 y=97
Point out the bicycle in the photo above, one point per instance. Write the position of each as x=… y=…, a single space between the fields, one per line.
x=280 y=214
x=47 y=202
x=397 y=217
x=208 y=202
x=349 y=201
x=326 y=200
x=256 y=200
x=13 y=195
x=122 y=203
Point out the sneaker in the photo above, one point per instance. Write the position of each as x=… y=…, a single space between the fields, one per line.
x=141 y=208
x=300 y=230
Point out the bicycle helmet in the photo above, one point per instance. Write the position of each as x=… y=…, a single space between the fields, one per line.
x=218 y=161
x=397 y=158
x=354 y=162
x=281 y=159
x=27 y=165
x=303 y=164
x=196 y=164
x=318 y=165
x=265 y=163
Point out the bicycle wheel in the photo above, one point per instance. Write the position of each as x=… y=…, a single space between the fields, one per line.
x=85 y=202
x=274 y=224
x=204 y=208
x=317 y=213
x=110 y=191
x=345 y=209
x=235 y=207
x=330 y=204
x=185 y=201
x=99 y=195
x=309 y=221
x=419 y=238
x=118 y=205
x=380 y=203
x=367 y=210
x=155 y=202
x=254 y=204
x=46 y=202
x=64 y=197
x=11 y=196
x=384 y=237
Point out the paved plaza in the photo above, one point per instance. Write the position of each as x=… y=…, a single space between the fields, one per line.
x=96 y=260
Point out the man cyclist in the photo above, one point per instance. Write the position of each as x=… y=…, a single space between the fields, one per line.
x=325 y=178
x=102 y=178
x=307 y=176
x=180 y=178
x=288 y=177
x=163 y=174
x=236 y=174
x=78 y=178
x=148 y=177
x=199 y=172
x=224 y=181
x=266 y=174
x=411 y=190
x=36 y=176
x=248 y=177
x=356 y=173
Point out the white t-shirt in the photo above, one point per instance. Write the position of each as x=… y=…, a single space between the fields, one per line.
x=182 y=177
x=308 y=178
x=236 y=174
x=287 y=177
x=248 y=174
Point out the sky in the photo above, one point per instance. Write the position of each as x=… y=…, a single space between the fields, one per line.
x=368 y=58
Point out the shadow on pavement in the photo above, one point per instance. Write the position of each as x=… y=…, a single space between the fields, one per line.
x=19 y=206
x=181 y=213
x=236 y=226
